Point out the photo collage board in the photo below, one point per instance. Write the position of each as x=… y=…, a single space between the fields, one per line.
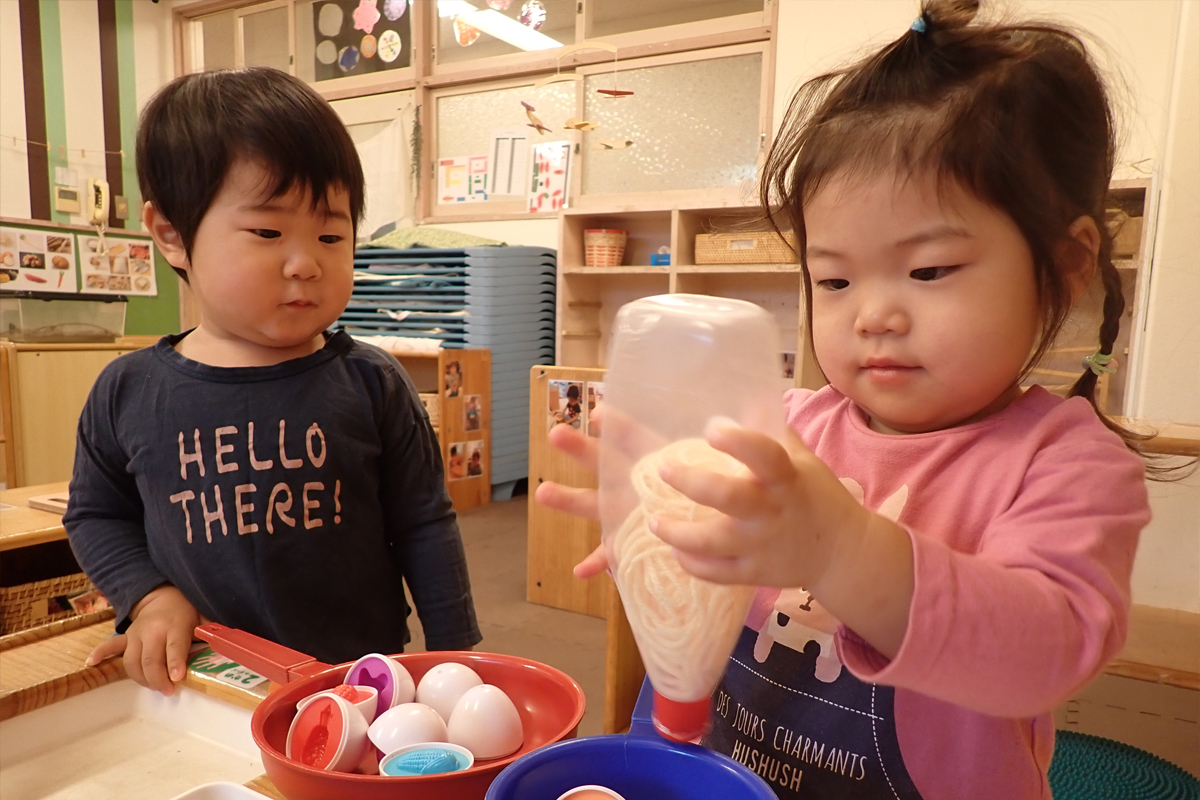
x=65 y=262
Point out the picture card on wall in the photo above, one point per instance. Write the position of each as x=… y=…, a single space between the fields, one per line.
x=462 y=179
x=37 y=261
x=123 y=265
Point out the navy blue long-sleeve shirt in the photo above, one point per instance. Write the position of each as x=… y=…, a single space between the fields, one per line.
x=289 y=501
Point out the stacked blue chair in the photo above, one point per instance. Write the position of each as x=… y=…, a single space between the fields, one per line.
x=499 y=298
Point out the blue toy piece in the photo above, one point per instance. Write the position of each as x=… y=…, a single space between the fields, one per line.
x=640 y=764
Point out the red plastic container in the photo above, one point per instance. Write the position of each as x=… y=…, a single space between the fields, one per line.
x=550 y=703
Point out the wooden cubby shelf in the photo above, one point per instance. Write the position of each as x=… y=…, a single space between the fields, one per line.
x=589 y=297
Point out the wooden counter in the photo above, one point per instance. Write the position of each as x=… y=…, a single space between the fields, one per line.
x=23 y=526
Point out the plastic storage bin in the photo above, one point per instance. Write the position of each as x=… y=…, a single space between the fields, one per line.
x=41 y=317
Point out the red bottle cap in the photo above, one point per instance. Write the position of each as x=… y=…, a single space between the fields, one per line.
x=681 y=722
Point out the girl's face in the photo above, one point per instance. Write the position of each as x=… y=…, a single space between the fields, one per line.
x=925 y=308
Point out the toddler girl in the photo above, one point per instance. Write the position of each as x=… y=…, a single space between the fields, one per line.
x=965 y=546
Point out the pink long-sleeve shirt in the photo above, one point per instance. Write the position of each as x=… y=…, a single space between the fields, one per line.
x=1023 y=528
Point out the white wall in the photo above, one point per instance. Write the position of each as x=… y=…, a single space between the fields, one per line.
x=14 y=163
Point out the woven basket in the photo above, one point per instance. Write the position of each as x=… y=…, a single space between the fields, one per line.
x=32 y=604
x=604 y=247
x=432 y=407
x=751 y=247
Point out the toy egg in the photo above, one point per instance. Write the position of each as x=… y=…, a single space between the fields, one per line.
x=409 y=723
x=328 y=733
x=442 y=686
x=590 y=792
x=426 y=759
x=387 y=677
x=486 y=722
x=364 y=698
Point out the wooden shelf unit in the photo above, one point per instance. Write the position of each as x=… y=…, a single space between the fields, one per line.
x=428 y=371
x=588 y=297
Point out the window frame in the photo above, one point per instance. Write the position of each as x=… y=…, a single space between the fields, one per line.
x=692 y=41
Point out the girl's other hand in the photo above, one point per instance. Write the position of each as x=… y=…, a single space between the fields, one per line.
x=782 y=524
x=790 y=522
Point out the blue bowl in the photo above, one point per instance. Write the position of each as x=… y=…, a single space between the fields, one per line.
x=641 y=764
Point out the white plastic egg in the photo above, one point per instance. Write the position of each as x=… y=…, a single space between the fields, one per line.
x=486 y=722
x=409 y=723
x=442 y=686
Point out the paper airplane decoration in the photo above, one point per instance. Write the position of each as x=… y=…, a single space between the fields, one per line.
x=534 y=122
x=614 y=93
x=613 y=144
x=574 y=124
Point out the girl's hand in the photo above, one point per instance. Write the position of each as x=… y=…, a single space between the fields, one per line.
x=791 y=522
x=580 y=502
x=781 y=525
x=156 y=644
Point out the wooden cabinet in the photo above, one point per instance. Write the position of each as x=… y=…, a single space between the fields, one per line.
x=42 y=391
x=456 y=387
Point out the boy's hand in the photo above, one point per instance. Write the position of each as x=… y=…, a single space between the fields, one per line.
x=156 y=643
x=784 y=524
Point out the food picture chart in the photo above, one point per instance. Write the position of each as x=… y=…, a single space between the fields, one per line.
x=123 y=265
x=37 y=261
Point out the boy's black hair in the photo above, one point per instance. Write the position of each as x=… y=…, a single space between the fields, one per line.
x=572 y=392
x=198 y=125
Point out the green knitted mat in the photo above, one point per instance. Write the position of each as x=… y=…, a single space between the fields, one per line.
x=1092 y=768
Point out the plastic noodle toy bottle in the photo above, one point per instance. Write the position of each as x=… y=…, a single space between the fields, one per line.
x=676 y=363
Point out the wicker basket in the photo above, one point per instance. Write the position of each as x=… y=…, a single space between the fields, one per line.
x=32 y=604
x=750 y=247
x=432 y=405
x=604 y=247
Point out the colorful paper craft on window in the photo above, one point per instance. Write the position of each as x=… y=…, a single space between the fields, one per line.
x=548 y=188
x=462 y=180
x=366 y=15
x=533 y=14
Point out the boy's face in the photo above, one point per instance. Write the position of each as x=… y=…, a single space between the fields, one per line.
x=271 y=272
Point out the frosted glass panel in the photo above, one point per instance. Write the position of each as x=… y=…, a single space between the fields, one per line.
x=693 y=125
x=465 y=122
x=559 y=25
x=265 y=39
x=216 y=34
x=620 y=16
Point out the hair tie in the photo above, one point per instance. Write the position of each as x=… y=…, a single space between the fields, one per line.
x=919 y=25
x=1097 y=362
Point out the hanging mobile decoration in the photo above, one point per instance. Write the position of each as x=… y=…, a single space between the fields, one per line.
x=534 y=122
x=615 y=93
x=613 y=144
x=466 y=35
x=499 y=5
x=394 y=9
x=574 y=124
x=366 y=15
x=533 y=14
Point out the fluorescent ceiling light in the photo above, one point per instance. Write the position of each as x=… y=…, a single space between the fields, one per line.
x=493 y=23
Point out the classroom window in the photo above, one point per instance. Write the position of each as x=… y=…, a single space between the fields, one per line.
x=503 y=28
x=693 y=125
x=611 y=17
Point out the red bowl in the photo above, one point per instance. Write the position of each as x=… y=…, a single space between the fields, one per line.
x=550 y=703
